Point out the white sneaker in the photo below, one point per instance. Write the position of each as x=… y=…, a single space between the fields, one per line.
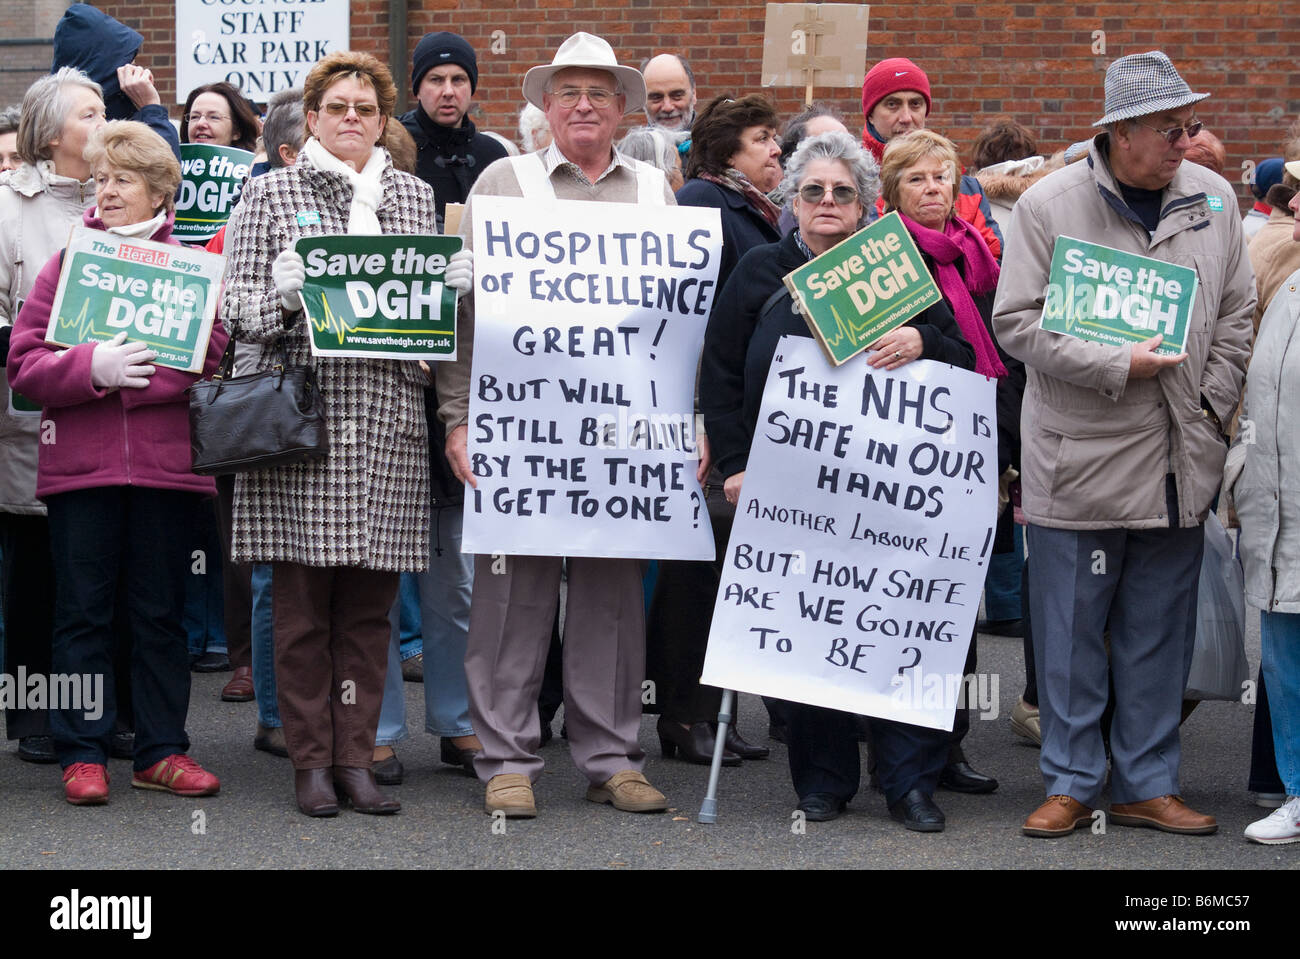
x=1283 y=825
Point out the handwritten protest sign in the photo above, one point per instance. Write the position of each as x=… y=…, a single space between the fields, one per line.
x=379 y=296
x=211 y=180
x=863 y=287
x=1108 y=296
x=162 y=295
x=589 y=318
x=861 y=540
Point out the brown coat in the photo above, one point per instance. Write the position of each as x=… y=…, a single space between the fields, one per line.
x=367 y=503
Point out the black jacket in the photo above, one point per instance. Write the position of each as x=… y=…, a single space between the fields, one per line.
x=753 y=311
x=96 y=44
x=450 y=159
x=743 y=227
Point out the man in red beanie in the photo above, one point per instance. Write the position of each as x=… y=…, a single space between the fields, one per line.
x=896 y=100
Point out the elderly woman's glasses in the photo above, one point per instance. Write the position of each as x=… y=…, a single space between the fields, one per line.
x=210 y=117
x=569 y=97
x=365 y=111
x=813 y=193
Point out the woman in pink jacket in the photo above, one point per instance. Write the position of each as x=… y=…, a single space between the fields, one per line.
x=114 y=472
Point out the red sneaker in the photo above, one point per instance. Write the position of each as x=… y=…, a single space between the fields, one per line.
x=86 y=784
x=179 y=775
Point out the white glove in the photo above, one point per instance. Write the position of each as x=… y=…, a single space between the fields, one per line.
x=288 y=273
x=116 y=363
x=459 y=274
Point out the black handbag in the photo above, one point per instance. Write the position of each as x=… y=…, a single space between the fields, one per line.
x=270 y=418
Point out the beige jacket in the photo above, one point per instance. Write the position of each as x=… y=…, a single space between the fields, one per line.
x=1097 y=446
x=1275 y=255
x=38 y=209
x=1267 y=494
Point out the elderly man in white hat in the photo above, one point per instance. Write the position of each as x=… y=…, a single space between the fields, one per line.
x=1123 y=452
x=584 y=93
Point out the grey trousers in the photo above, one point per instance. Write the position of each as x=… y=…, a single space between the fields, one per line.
x=1143 y=585
x=604 y=662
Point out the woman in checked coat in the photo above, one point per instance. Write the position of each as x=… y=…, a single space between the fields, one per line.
x=340 y=529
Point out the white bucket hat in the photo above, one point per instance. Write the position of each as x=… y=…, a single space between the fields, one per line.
x=593 y=53
x=1144 y=83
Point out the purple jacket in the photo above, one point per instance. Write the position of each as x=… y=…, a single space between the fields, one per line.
x=93 y=437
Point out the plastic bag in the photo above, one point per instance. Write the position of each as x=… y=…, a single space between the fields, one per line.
x=1219 y=660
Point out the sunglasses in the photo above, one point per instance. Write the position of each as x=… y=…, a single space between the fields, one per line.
x=813 y=193
x=364 y=110
x=1174 y=134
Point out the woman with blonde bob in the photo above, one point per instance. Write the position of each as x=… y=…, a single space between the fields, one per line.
x=338 y=530
x=918 y=179
x=119 y=473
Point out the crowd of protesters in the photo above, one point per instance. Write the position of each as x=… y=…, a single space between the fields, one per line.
x=332 y=570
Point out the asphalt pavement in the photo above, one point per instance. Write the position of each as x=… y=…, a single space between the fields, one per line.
x=254 y=824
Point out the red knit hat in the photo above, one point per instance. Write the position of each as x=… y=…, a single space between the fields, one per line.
x=891 y=76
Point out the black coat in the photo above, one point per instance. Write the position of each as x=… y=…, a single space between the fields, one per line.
x=449 y=159
x=743 y=227
x=753 y=311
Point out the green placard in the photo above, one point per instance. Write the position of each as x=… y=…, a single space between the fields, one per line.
x=211 y=180
x=162 y=295
x=863 y=287
x=379 y=296
x=1108 y=296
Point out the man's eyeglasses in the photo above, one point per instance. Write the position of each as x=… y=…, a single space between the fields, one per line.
x=569 y=97
x=813 y=193
x=1174 y=134
x=210 y=117
x=364 y=110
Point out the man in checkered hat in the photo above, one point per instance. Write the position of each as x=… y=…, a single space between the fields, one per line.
x=1123 y=452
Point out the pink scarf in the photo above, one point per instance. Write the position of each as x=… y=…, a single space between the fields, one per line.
x=961 y=241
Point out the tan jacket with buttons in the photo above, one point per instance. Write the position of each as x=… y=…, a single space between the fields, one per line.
x=1097 y=446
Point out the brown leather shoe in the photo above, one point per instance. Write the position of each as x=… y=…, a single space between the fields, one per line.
x=240 y=687
x=511 y=793
x=1059 y=816
x=1166 y=813
x=358 y=785
x=315 y=792
x=629 y=791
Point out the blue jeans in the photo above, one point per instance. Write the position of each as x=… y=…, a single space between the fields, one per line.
x=445 y=589
x=268 y=707
x=205 y=625
x=1280 y=641
x=408 y=598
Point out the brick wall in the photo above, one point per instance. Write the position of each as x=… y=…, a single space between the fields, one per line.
x=1042 y=63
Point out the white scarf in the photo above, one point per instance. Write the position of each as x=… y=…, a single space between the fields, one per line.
x=366 y=188
x=140 y=231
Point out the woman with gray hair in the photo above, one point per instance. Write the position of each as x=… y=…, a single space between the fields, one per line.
x=9 y=159
x=653 y=146
x=40 y=202
x=834 y=183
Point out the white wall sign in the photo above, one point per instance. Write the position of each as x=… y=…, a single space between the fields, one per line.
x=260 y=46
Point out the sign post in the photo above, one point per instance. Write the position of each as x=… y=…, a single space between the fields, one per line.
x=162 y=295
x=588 y=323
x=1108 y=296
x=861 y=540
x=380 y=297
x=863 y=287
